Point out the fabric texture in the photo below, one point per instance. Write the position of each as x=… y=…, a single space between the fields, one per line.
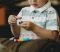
x=45 y=17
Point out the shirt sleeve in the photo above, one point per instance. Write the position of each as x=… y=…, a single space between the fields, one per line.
x=20 y=13
x=52 y=21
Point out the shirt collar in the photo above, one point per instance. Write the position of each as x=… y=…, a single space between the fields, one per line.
x=47 y=5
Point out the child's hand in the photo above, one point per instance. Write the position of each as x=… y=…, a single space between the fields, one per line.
x=27 y=25
x=12 y=19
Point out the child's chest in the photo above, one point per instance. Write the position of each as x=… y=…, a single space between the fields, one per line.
x=37 y=19
x=34 y=17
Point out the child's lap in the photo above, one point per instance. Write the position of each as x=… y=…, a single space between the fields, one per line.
x=32 y=46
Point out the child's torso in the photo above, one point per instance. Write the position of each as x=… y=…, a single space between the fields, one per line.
x=35 y=17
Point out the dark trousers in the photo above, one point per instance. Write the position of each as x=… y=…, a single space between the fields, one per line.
x=44 y=45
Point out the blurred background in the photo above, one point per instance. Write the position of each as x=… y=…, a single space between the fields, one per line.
x=8 y=7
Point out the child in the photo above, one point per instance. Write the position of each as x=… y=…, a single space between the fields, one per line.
x=38 y=21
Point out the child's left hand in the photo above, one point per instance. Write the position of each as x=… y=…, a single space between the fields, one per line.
x=27 y=25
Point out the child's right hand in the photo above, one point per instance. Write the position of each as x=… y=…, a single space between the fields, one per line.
x=12 y=19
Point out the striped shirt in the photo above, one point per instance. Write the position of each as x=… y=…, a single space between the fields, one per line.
x=45 y=17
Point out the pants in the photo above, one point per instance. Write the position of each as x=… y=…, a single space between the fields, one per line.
x=32 y=46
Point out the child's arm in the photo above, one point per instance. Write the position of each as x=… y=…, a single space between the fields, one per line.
x=41 y=32
x=15 y=29
x=44 y=33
